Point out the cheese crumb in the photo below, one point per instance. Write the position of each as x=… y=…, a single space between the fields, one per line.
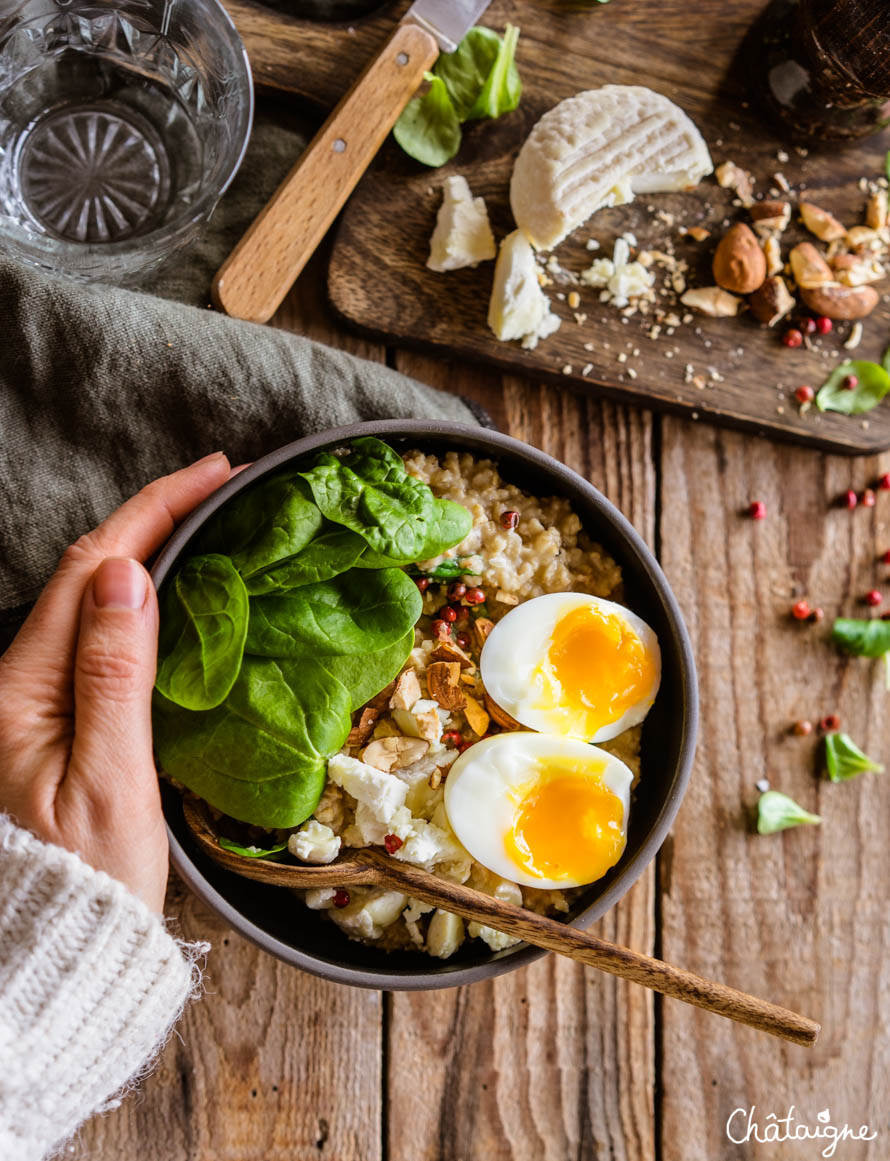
x=462 y=236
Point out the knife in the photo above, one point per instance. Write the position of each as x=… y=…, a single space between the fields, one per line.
x=256 y=276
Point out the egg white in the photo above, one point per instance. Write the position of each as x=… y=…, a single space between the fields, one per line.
x=481 y=794
x=518 y=646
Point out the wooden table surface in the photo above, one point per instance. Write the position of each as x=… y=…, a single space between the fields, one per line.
x=557 y=1063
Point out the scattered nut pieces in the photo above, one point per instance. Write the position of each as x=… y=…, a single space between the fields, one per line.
x=841 y=302
x=712 y=301
x=476 y=716
x=448 y=651
x=739 y=263
x=499 y=715
x=772 y=301
x=809 y=267
x=770 y=217
x=406 y=692
x=820 y=222
x=443 y=679
x=506 y=598
x=772 y=252
x=855 y=270
x=862 y=239
x=698 y=233
x=360 y=733
x=482 y=626
x=876 y=211
x=732 y=176
x=396 y=752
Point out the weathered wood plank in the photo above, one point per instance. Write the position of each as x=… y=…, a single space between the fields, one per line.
x=552 y=1062
x=271 y=1064
x=799 y=918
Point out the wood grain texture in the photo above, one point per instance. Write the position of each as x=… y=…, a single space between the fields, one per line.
x=553 y=1062
x=378 y=281
x=800 y=916
x=256 y=276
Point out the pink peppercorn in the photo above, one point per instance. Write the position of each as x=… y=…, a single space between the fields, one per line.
x=448 y=613
x=474 y=596
x=509 y=520
x=850 y=499
x=757 y=510
x=824 y=325
x=830 y=722
x=817 y=615
x=792 y=337
x=392 y=842
x=800 y=610
x=802 y=728
x=463 y=640
x=885 y=557
x=874 y=598
x=850 y=382
x=808 y=326
x=804 y=393
x=868 y=498
x=423 y=583
x=456 y=590
x=441 y=630
x=340 y=898
x=884 y=482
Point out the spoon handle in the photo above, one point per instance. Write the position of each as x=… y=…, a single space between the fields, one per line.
x=599 y=953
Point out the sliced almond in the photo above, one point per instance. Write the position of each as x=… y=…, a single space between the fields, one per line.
x=448 y=651
x=386 y=728
x=506 y=598
x=406 y=692
x=732 y=176
x=809 y=267
x=442 y=678
x=388 y=754
x=712 y=301
x=476 y=716
x=428 y=725
x=820 y=222
x=876 y=211
x=499 y=715
x=435 y=779
x=482 y=626
x=841 y=302
x=854 y=270
x=772 y=252
x=363 y=729
x=772 y=301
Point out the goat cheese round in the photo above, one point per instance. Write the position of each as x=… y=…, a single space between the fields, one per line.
x=598 y=149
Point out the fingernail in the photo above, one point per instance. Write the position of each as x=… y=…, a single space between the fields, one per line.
x=206 y=459
x=119 y=583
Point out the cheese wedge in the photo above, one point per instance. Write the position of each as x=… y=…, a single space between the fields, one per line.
x=519 y=308
x=597 y=149
x=462 y=236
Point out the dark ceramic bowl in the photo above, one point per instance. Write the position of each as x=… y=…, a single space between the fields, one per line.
x=277 y=922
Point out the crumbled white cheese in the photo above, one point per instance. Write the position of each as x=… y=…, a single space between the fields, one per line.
x=509 y=893
x=319 y=898
x=368 y=913
x=519 y=308
x=444 y=935
x=462 y=236
x=382 y=793
x=620 y=279
x=314 y=843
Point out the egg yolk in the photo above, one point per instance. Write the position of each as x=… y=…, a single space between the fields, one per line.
x=568 y=825
x=601 y=666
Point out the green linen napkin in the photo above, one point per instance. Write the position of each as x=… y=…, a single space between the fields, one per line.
x=103 y=389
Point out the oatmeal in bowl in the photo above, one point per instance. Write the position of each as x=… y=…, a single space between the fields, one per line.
x=469 y=690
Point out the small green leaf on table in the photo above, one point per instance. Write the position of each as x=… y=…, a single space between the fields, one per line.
x=864 y=638
x=873 y=384
x=776 y=811
x=844 y=759
x=502 y=88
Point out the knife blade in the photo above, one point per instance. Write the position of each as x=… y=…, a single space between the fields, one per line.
x=448 y=21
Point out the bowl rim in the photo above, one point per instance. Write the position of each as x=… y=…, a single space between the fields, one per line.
x=440 y=977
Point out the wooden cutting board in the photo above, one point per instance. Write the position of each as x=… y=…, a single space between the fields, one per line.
x=728 y=371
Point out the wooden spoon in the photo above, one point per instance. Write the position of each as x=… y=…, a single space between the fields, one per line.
x=369 y=867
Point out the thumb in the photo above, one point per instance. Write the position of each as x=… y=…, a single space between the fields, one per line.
x=114 y=672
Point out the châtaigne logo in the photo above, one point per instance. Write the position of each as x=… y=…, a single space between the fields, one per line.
x=744 y=1125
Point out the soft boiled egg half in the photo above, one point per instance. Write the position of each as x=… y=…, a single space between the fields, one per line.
x=540 y=810
x=572 y=664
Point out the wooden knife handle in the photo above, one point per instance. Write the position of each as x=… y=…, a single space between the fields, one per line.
x=263 y=266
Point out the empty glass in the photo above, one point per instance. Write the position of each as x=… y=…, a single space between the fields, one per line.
x=121 y=124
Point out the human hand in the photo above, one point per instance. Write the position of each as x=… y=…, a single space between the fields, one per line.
x=76 y=764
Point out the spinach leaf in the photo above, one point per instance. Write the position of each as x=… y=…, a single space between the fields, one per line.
x=325 y=557
x=260 y=757
x=466 y=70
x=365 y=674
x=864 y=638
x=391 y=512
x=873 y=385
x=251 y=852
x=776 y=811
x=374 y=460
x=448 y=526
x=444 y=570
x=503 y=88
x=844 y=759
x=204 y=615
x=356 y=612
x=265 y=524
x=428 y=128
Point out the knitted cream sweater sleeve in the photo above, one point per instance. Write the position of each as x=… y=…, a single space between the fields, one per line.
x=90 y=985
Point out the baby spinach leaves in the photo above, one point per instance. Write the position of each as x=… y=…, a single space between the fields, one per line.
x=272 y=636
x=844 y=759
x=357 y=612
x=776 y=811
x=204 y=614
x=251 y=852
x=864 y=638
x=872 y=384
x=479 y=79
